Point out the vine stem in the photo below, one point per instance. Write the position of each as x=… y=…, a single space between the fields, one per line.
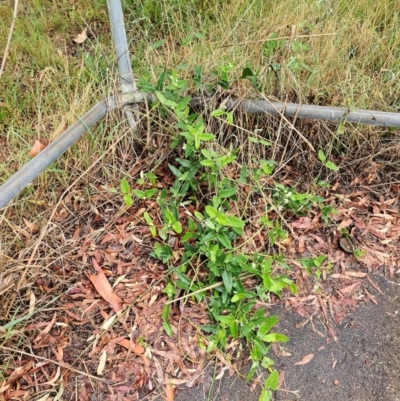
x=210 y=287
x=3 y=63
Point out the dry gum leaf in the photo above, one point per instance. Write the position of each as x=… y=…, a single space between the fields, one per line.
x=81 y=37
x=136 y=348
x=303 y=222
x=169 y=393
x=305 y=360
x=104 y=288
x=102 y=363
x=37 y=147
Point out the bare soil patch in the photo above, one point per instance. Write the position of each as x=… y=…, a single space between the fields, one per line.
x=361 y=364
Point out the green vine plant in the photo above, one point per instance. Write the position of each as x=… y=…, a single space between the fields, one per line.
x=201 y=209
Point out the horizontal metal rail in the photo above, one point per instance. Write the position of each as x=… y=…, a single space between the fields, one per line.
x=327 y=113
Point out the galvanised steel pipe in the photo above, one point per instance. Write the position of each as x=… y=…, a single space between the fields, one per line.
x=385 y=119
x=15 y=184
x=127 y=80
x=327 y=113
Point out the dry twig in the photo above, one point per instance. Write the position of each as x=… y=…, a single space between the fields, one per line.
x=3 y=63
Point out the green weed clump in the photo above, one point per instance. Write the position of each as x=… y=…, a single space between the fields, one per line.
x=206 y=212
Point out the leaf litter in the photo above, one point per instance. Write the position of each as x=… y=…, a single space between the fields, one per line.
x=107 y=320
x=305 y=360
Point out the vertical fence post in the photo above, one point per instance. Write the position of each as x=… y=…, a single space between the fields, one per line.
x=127 y=80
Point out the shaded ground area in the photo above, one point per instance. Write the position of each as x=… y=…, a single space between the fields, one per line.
x=362 y=364
x=229 y=388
